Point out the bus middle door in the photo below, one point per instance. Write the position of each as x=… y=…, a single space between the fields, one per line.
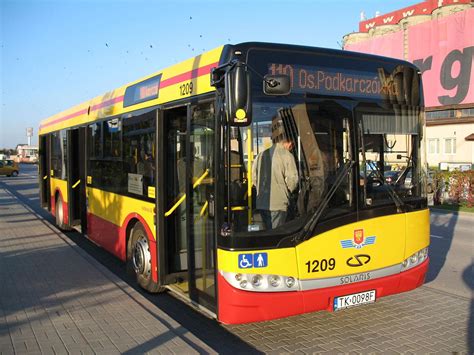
x=186 y=242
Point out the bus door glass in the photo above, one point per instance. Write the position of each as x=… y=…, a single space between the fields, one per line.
x=44 y=172
x=187 y=186
x=172 y=188
x=201 y=192
x=76 y=176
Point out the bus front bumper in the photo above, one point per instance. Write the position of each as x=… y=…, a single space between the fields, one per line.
x=236 y=306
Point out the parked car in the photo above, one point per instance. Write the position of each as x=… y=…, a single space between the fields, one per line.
x=9 y=168
x=429 y=181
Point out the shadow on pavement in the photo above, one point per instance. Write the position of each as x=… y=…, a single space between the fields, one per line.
x=442 y=224
x=207 y=330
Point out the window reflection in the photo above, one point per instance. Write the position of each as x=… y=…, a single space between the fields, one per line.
x=59 y=154
x=388 y=157
x=121 y=155
x=286 y=161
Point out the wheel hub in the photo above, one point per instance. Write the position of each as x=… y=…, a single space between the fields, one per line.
x=141 y=257
x=59 y=211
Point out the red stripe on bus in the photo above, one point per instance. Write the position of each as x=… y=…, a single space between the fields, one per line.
x=84 y=111
x=107 y=103
x=192 y=74
x=64 y=118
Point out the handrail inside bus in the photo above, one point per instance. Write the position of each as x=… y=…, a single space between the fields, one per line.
x=182 y=198
x=203 y=210
x=175 y=206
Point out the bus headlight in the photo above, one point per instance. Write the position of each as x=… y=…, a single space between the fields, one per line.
x=290 y=282
x=415 y=259
x=257 y=280
x=261 y=282
x=274 y=280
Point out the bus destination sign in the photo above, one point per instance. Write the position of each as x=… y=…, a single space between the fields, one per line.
x=142 y=91
x=327 y=81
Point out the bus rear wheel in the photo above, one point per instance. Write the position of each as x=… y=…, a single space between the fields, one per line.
x=60 y=215
x=139 y=259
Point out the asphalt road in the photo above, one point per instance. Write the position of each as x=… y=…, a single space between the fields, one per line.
x=437 y=317
x=451 y=253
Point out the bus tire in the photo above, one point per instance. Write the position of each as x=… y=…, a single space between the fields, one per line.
x=139 y=259
x=60 y=215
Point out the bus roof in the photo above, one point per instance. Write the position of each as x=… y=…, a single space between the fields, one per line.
x=245 y=46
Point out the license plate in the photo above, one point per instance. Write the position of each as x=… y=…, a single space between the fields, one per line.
x=356 y=299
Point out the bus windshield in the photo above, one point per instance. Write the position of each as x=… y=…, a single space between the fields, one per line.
x=328 y=149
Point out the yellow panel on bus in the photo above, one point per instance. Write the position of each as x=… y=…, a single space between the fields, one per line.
x=373 y=244
x=280 y=262
x=115 y=208
x=362 y=246
x=59 y=185
x=417 y=231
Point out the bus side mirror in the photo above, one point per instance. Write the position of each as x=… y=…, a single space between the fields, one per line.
x=238 y=99
x=276 y=85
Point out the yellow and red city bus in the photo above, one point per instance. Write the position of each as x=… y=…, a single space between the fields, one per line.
x=161 y=172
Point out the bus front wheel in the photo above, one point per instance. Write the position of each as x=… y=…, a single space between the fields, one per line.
x=139 y=259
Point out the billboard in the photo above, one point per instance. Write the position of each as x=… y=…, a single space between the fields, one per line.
x=423 y=8
x=442 y=48
x=390 y=45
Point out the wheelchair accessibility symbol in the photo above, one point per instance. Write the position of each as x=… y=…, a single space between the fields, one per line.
x=247 y=261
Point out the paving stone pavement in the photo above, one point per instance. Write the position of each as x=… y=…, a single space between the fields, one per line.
x=421 y=321
x=56 y=298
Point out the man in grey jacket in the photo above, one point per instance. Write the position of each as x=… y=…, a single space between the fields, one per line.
x=275 y=176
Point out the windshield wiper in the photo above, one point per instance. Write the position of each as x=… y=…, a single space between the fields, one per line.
x=309 y=227
x=396 y=199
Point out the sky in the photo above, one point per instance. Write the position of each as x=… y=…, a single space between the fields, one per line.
x=58 y=53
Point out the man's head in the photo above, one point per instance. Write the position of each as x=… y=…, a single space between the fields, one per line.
x=287 y=144
x=279 y=133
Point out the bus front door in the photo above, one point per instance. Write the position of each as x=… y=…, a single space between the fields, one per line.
x=186 y=230
x=76 y=153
